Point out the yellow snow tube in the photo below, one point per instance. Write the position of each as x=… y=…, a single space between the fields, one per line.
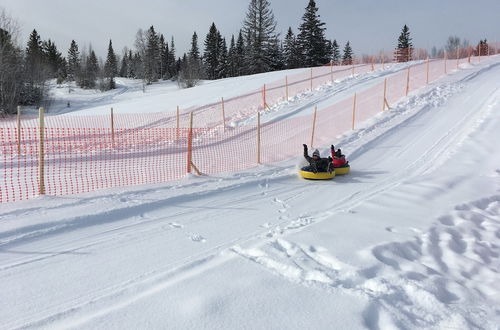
x=316 y=176
x=342 y=170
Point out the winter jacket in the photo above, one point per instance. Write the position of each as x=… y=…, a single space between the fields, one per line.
x=318 y=165
x=338 y=158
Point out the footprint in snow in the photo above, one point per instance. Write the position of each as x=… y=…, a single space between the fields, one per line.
x=175 y=225
x=197 y=238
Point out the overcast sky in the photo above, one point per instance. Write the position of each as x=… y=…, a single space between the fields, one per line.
x=370 y=25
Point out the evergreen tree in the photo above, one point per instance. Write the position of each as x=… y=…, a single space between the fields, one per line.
x=92 y=69
x=34 y=70
x=347 y=58
x=136 y=67
x=110 y=67
x=194 y=53
x=163 y=57
x=174 y=65
x=211 y=54
x=152 y=56
x=311 y=38
x=124 y=65
x=276 y=55
x=222 y=58
x=73 y=61
x=12 y=79
x=259 y=29
x=231 y=58
x=329 y=50
x=52 y=57
x=291 y=52
x=335 y=53
x=194 y=62
x=239 y=57
x=404 y=50
x=34 y=55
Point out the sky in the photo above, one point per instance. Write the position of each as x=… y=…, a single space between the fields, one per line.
x=369 y=25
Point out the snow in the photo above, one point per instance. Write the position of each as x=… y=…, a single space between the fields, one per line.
x=409 y=239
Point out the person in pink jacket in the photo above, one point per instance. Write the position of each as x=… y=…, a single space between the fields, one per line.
x=338 y=159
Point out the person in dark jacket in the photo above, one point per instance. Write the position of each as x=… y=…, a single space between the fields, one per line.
x=316 y=163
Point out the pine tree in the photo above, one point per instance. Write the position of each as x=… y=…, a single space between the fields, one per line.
x=291 y=52
x=259 y=29
x=311 y=38
x=194 y=53
x=335 y=53
x=52 y=57
x=124 y=65
x=73 y=61
x=231 y=58
x=92 y=69
x=211 y=53
x=12 y=79
x=110 y=67
x=35 y=70
x=347 y=58
x=276 y=55
x=163 y=45
x=152 y=56
x=34 y=56
x=239 y=57
x=222 y=58
x=194 y=61
x=174 y=65
x=404 y=50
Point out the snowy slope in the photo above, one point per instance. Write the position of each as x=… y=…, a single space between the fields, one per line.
x=408 y=240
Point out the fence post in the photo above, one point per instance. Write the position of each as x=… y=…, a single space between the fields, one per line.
x=408 y=81
x=19 y=129
x=311 y=79
x=458 y=56
x=190 y=143
x=313 y=125
x=41 y=151
x=480 y=52
x=177 y=127
x=383 y=61
x=427 y=71
x=384 y=101
x=223 y=114
x=258 y=137
x=264 y=105
x=373 y=68
x=112 y=129
x=286 y=87
x=469 y=54
x=353 y=111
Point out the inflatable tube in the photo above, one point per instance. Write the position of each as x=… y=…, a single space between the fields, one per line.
x=316 y=176
x=342 y=170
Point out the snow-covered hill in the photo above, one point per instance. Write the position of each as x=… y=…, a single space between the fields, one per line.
x=409 y=239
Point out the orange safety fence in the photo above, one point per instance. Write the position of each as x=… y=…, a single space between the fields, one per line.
x=86 y=153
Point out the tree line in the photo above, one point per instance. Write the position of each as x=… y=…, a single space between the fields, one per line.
x=257 y=47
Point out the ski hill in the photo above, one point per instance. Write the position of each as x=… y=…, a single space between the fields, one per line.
x=409 y=239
